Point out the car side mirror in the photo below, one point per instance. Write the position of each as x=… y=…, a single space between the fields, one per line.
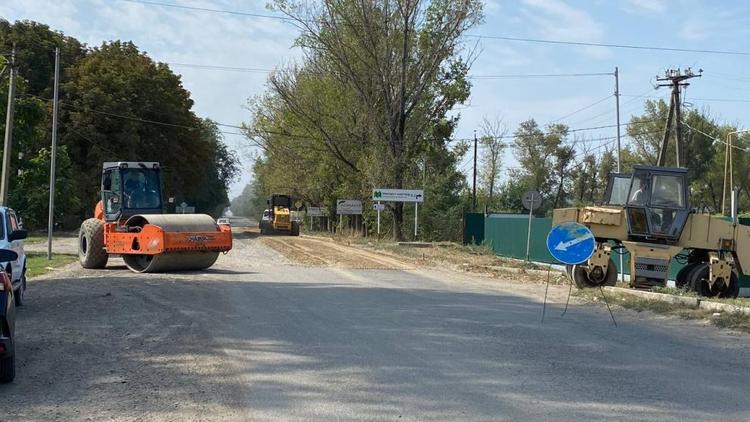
x=19 y=234
x=7 y=255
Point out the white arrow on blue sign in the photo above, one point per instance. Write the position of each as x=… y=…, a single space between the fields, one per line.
x=571 y=243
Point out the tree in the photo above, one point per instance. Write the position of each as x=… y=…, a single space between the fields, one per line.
x=31 y=191
x=544 y=159
x=585 y=188
x=121 y=105
x=115 y=104
x=400 y=59
x=493 y=145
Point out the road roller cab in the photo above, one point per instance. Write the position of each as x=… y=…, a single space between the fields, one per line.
x=128 y=221
x=129 y=189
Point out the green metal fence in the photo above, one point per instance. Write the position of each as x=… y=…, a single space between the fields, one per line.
x=506 y=234
x=473 y=228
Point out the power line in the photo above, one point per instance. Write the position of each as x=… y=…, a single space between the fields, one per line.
x=476 y=77
x=540 y=75
x=714 y=137
x=223 y=68
x=625 y=46
x=138 y=119
x=206 y=9
x=584 y=108
x=478 y=36
x=725 y=100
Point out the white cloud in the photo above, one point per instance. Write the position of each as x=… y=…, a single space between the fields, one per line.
x=556 y=20
x=706 y=24
x=646 y=6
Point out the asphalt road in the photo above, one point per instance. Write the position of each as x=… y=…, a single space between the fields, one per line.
x=259 y=338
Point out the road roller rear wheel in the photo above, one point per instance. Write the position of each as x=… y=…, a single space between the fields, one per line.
x=91 y=252
x=699 y=283
x=585 y=279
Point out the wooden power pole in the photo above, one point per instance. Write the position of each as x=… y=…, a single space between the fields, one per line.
x=5 y=177
x=675 y=79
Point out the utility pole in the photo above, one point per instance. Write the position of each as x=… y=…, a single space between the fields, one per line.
x=474 y=185
x=619 y=149
x=5 y=177
x=55 y=107
x=676 y=79
x=617 y=108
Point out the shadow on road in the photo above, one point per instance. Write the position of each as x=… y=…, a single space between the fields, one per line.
x=127 y=346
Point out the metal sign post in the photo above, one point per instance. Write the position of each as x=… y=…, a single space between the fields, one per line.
x=378 y=207
x=416 y=212
x=531 y=200
x=399 y=195
x=528 y=234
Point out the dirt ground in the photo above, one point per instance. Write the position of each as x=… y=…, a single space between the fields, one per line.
x=320 y=250
x=323 y=252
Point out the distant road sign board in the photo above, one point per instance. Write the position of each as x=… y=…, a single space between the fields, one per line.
x=571 y=243
x=314 y=212
x=378 y=207
x=183 y=208
x=348 y=207
x=531 y=200
x=398 y=195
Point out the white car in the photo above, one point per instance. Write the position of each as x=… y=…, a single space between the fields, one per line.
x=11 y=237
x=224 y=220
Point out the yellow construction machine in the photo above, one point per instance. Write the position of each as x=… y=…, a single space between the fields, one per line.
x=648 y=214
x=278 y=217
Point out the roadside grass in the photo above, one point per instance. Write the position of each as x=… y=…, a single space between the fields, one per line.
x=37 y=263
x=36 y=237
x=731 y=320
x=740 y=301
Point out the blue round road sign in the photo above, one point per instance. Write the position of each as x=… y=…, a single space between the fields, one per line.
x=571 y=243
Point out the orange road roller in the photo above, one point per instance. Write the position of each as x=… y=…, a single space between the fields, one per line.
x=128 y=221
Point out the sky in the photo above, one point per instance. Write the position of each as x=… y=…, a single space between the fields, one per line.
x=198 y=37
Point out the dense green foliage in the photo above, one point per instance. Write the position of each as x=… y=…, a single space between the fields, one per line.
x=369 y=108
x=116 y=104
x=572 y=172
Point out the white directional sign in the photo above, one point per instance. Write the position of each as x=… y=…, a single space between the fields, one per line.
x=314 y=212
x=348 y=207
x=563 y=246
x=378 y=207
x=398 y=195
